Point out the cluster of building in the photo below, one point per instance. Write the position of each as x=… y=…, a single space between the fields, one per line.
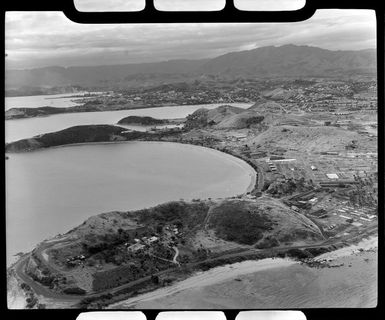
x=76 y=260
x=140 y=244
x=327 y=95
x=169 y=236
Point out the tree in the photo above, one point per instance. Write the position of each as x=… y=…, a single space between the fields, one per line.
x=155 y=279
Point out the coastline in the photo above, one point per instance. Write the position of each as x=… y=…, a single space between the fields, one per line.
x=366 y=244
x=274 y=283
x=206 y=278
x=16 y=297
x=120 y=109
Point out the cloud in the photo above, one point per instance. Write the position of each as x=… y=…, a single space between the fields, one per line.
x=35 y=39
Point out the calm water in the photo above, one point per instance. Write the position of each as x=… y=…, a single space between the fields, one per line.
x=26 y=128
x=50 y=191
x=54 y=100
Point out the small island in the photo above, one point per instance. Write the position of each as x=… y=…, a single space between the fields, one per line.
x=144 y=121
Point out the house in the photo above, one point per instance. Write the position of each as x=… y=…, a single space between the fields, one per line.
x=136 y=247
x=332 y=176
x=152 y=240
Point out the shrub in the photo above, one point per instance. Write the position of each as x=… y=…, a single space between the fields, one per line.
x=267 y=242
x=234 y=222
x=74 y=290
x=299 y=254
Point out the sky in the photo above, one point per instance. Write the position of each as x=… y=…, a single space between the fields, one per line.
x=39 y=39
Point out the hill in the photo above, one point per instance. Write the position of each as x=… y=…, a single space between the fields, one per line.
x=222 y=117
x=266 y=106
x=309 y=139
x=240 y=121
x=292 y=60
x=283 y=61
x=264 y=222
x=145 y=121
x=77 y=134
x=204 y=117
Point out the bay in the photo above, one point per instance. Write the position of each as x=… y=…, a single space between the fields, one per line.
x=53 y=190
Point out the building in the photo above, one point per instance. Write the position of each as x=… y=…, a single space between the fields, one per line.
x=332 y=176
x=136 y=247
x=152 y=240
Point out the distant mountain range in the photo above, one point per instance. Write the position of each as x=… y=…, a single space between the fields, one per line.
x=283 y=61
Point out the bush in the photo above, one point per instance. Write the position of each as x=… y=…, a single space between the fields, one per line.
x=268 y=242
x=74 y=290
x=234 y=222
x=299 y=254
x=317 y=251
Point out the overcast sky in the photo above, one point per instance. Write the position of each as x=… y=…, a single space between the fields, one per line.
x=37 y=39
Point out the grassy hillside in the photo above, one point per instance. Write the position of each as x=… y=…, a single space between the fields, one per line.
x=237 y=221
x=261 y=223
x=223 y=117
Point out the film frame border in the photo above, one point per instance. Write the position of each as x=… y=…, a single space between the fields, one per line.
x=229 y=14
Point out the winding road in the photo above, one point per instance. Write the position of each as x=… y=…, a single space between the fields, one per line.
x=176 y=256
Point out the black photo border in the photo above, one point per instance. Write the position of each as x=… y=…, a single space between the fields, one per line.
x=228 y=14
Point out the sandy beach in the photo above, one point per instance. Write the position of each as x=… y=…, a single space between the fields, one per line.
x=275 y=283
x=16 y=298
x=207 y=278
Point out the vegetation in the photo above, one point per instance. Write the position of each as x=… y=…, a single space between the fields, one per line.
x=267 y=242
x=146 y=121
x=141 y=267
x=74 y=290
x=299 y=254
x=234 y=221
x=178 y=212
x=289 y=186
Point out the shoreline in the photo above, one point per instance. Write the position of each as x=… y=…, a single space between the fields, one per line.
x=366 y=244
x=206 y=278
x=218 y=278
x=124 y=109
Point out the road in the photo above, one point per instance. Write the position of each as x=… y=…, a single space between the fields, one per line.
x=176 y=255
x=44 y=291
x=36 y=286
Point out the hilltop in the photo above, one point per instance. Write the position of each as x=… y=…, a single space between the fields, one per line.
x=222 y=117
